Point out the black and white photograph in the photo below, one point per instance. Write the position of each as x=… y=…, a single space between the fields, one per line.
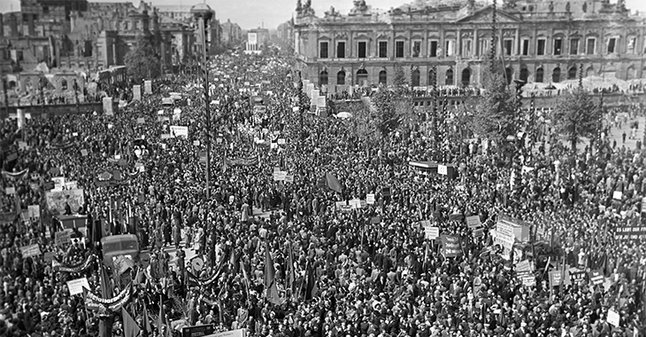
x=310 y=168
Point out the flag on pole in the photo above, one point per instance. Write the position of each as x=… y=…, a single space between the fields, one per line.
x=130 y=327
x=162 y=318
x=290 y=268
x=146 y=322
x=270 y=281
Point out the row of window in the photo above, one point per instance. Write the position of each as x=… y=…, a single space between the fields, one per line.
x=434 y=50
x=362 y=76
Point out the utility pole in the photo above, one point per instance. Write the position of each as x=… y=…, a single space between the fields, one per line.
x=203 y=13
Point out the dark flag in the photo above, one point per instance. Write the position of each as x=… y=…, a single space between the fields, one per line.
x=332 y=182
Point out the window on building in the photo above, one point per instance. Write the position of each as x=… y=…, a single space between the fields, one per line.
x=591 y=46
x=525 y=51
x=466 y=48
x=432 y=77
x=540 y=47
x=340 y=78
x=340 y=49
x=524 y=74
x=483 y=48
x=539 y=75
x=399 y=48
x=611 y=45
x=466 y=77
x=383 y=77
x=323 y=78
x=417 y=48
x=448 y=79
x=556 y=75
x=508 y=46
x=361 y=49
x=631 y=44
x=433 y=49
x=450 y=47
x=383 y=49
x=64 y=84
x=323 y=49
x=558 y=46
x=571 y=73
x=415 y=78
x=574 y=46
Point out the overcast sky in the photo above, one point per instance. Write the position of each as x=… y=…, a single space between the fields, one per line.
x=270 y=13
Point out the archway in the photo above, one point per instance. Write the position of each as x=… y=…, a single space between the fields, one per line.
x=466 y=77
x=539 y=75
x=362 y=77
x=631 y=73
x=415 y=78
x=432 y=78
x=383 y=77
x=340 y=78
x=524 y=74
x=64 y=84
x=571 y=73
x=556 y=75
x=449 y=77
x=323 y=78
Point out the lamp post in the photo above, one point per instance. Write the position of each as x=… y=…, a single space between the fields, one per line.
x=203 y=13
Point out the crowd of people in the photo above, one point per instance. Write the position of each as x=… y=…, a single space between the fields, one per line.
x=301 y=257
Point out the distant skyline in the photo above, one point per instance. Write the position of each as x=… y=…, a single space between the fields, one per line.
x=269 y=14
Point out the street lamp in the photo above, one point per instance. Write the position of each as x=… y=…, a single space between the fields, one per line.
x=203 y=13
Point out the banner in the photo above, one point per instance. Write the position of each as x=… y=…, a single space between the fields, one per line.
x=29 y=251
x=76 y=286
x=62 y=238
x=232 y=333
x=148 y=87
x=136 y=92
x=107 y=106
x=280 y=175
x=56 y=200
x=78 y=268
x=179 y=131
x=450 y=245
x=15 y=175
x=114 y=304
x=473 y=221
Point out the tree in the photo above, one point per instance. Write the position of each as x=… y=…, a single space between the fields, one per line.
x=388 y=118
x=577 y=116
x=496 y=111
x=142 y=60
x=399 y=78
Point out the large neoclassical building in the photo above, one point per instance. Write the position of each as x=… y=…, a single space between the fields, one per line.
x=538 y=41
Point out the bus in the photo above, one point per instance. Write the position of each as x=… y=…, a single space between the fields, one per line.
x=116 y=245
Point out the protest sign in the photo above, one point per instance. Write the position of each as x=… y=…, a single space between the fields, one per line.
x=107 y=106
x=596 y=277
x=613 y=318
x=281 y=141
x=29 y=251
x=56 y=200
x=528 y=280
x=450 y=245
x=10 y=190
x=555 y=278
x=34 y=211
x=62 y=238
x=617 y=195
x=431 y=232
x=136 y=92
x=59 y=182
x=148 y=87
x=355 y=203
x=179 y=131
x=141 y=120
x=523 y=266
x=84 y=152
x=48 y=257
x=370 y=199
x=280 y=175
x=473 y=221
x=289 y=178
x=76 y=286
x=442 y=169
x=504 y=235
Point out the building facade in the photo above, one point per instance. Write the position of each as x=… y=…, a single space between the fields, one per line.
x=538 y=41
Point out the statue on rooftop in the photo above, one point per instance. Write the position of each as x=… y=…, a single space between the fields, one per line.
x=359 y=7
